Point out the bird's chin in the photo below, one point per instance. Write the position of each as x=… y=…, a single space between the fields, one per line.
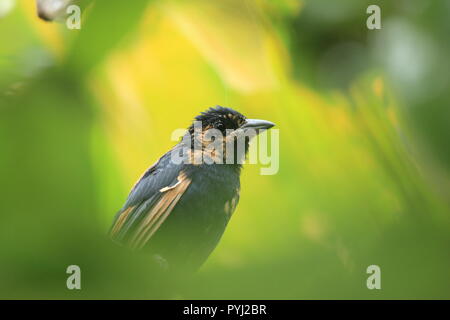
x=247 y=132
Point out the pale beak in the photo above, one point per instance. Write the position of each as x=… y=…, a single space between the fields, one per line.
x=257 y=124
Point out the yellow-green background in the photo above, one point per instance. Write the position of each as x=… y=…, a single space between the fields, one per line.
x=364 y=157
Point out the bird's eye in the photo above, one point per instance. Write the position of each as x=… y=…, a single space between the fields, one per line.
x=219 y=125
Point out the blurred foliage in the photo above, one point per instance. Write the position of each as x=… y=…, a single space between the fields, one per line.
x=364 y=160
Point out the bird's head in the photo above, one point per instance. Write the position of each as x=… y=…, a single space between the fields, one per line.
x=225 y=125
x=229 y=121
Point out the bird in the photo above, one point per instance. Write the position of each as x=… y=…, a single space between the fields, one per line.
x=178 y=210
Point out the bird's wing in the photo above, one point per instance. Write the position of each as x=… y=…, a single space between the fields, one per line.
x=150 y=202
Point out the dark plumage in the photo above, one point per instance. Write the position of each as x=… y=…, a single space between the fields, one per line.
x=179 y=211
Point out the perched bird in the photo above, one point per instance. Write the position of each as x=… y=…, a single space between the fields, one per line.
x=178 y=210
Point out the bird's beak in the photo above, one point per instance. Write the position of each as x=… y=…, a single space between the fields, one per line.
x=257 y=124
